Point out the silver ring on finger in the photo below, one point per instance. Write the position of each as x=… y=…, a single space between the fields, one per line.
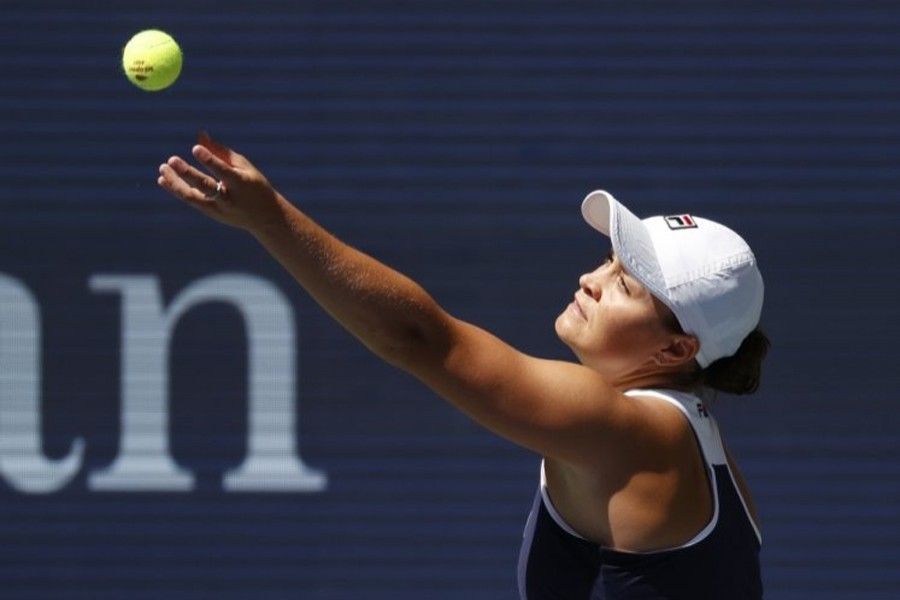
x=218 y=193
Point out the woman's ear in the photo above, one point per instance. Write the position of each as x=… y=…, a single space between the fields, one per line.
x=681 y=349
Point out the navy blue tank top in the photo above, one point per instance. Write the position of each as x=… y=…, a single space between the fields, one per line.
x=720 y=563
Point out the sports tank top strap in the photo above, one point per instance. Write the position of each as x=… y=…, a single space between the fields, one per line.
x=705 y=427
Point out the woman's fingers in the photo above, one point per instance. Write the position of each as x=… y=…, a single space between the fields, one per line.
x=220 y=169
x=193 y=176
x=172 y=180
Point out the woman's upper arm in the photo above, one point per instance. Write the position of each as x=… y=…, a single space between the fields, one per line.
x=556 y=408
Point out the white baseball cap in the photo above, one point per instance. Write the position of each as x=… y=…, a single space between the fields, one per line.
x=703 y=271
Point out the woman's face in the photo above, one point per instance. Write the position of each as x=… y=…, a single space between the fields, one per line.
x=614 y=325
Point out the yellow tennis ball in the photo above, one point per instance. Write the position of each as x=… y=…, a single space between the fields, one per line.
x=152 y=60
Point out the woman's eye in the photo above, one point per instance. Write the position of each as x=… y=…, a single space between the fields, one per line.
x=623 y=283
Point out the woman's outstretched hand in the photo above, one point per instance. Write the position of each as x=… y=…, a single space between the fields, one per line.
x=232 y=190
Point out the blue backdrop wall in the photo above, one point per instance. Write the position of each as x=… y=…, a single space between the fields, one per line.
x=177 y=420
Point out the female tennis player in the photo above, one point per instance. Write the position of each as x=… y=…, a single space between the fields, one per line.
x=638 y=495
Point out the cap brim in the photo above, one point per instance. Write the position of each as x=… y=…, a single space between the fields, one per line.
x=631 y=240
x=596 y=210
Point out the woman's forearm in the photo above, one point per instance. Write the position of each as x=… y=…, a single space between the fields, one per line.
x=391 y=314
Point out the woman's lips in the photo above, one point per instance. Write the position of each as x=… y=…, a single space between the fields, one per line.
x=578 y=310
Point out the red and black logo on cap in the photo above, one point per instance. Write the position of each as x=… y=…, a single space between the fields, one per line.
x=681 y=222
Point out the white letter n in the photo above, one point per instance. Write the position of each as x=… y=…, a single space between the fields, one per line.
x=144 y=460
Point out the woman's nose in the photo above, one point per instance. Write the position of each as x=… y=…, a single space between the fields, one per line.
x=590 y=285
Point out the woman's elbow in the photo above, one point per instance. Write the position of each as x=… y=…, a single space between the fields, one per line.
x=417 y=345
